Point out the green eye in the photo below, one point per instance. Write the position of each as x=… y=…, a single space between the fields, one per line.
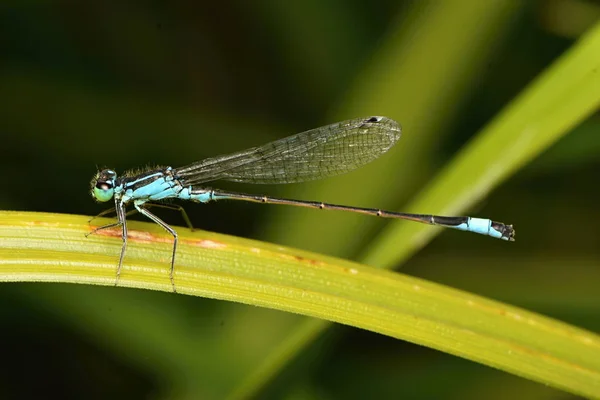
x=103 y=185
x=103 y=191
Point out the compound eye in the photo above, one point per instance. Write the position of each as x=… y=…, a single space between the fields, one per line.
x=104 y=189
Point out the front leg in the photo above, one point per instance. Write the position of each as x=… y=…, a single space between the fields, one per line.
x=120 y=217
x=120 y=207
x=121 y=221
x=101 y=228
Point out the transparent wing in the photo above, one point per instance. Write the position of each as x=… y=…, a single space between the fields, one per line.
x=315 y=154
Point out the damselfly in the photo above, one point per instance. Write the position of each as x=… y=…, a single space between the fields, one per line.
x=315 y=154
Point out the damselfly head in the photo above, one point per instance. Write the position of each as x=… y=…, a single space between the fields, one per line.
x=103 y=185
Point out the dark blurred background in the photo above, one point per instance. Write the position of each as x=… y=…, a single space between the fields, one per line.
x=130 y=84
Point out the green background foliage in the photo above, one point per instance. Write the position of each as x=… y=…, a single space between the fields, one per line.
x=168 y=83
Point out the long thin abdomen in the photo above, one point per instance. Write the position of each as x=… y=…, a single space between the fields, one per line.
x=481 y=226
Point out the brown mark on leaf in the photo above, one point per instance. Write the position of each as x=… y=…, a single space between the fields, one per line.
x=205 y=243
x=147 y=237
x=135 y=236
